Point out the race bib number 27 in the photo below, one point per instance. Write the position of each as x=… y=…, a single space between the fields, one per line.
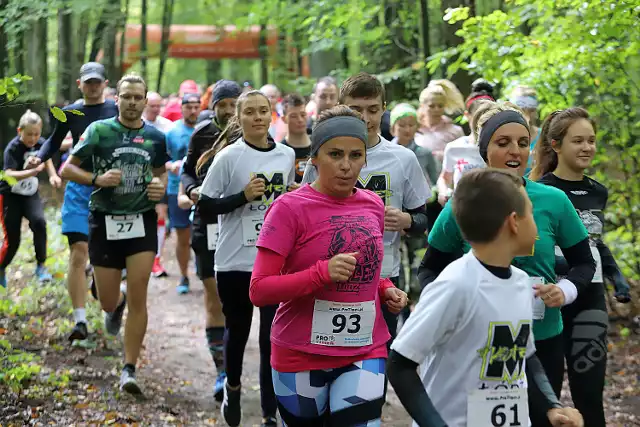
x=498 y=408
x=121 y=227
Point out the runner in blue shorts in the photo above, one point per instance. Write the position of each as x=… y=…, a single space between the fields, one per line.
x=177 y=143
x=75 y=209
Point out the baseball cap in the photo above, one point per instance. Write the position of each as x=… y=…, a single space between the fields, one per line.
x=92 y=70
x=190 y=97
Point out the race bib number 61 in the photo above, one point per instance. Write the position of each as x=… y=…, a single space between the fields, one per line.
x=498 y=408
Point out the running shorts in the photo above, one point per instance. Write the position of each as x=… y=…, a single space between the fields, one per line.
x=179 y=218
x=205 y=259
x=114 y=253
x=75 y=209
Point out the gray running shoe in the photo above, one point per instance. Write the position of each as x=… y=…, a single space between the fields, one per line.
x=113 y=321
x=128 y=382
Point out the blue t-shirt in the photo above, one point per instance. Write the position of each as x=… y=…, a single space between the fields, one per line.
x=177 y=144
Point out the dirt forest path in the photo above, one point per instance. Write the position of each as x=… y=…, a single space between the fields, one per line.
x=177 y=355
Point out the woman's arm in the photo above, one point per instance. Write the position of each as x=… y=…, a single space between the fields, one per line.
x=445 y=182
x=611 y=271
x=582 y=266
x=269 y=286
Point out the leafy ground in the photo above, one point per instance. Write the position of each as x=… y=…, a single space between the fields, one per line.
x=44 y=381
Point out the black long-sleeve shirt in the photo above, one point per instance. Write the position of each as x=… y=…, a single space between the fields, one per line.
x=76 y=125
x=589 y=197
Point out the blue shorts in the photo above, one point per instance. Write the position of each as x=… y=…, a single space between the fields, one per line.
x=349 y=396
x=75 y=208
x=178 y=218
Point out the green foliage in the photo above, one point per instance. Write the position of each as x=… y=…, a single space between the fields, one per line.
x=10 y=86
x=16 y=367
x=573 y=52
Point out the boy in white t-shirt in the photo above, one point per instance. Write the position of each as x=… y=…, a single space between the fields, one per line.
x=472 y=328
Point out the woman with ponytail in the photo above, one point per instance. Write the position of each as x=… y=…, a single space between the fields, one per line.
x=566 y=149
x=503 y=137
x=436 y=130
x=249 y=171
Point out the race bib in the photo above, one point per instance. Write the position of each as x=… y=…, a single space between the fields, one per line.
x=538 y=305
x=121 y=227
x=498 y=408
x=387 y=262
x=597 y=277
x=343 y=324
x=251 y=226
x=212 y=236
x=26 y=187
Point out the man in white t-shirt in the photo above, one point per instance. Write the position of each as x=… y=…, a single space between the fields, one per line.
x=152 y=116
x=152 y=113
x=472 y=328
x=392 y=171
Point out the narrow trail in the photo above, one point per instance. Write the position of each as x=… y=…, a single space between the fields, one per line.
x=176 y=353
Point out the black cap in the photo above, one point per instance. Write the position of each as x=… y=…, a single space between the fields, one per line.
x=92 y=70
x=190 y=97
x=225 y=89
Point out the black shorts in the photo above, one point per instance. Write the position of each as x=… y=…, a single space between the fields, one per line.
x=205 y=259
x=75 y=237
x=114 y=253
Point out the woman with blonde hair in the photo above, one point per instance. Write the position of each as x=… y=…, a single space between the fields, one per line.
x=440 y=97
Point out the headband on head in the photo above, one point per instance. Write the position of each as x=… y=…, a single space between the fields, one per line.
x=525 y=102
x=477 y=98
x=336 y=127
x=493 y=124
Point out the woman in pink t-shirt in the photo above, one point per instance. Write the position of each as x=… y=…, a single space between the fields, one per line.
x=319 y=256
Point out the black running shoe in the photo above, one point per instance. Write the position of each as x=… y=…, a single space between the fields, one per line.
x=231 y=411
x=79 y=332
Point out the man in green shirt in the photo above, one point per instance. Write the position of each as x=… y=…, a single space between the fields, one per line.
x=123 y=159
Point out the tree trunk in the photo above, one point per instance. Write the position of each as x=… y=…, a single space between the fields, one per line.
x=462 y=78
x=213 y=71
x=65 y=56
x=4 y=52
x=98 y=33
x=37 y=58
x=123 y=31
x=143 y=40
x=167 y=15
x=264 y=55
x=424 y=40
x=83 y=34
x=36 y=67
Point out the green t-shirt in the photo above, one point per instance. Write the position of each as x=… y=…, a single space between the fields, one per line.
x=558 y=224
x=135 y=152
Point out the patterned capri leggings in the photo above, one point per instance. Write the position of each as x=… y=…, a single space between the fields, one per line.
x=351 y=396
